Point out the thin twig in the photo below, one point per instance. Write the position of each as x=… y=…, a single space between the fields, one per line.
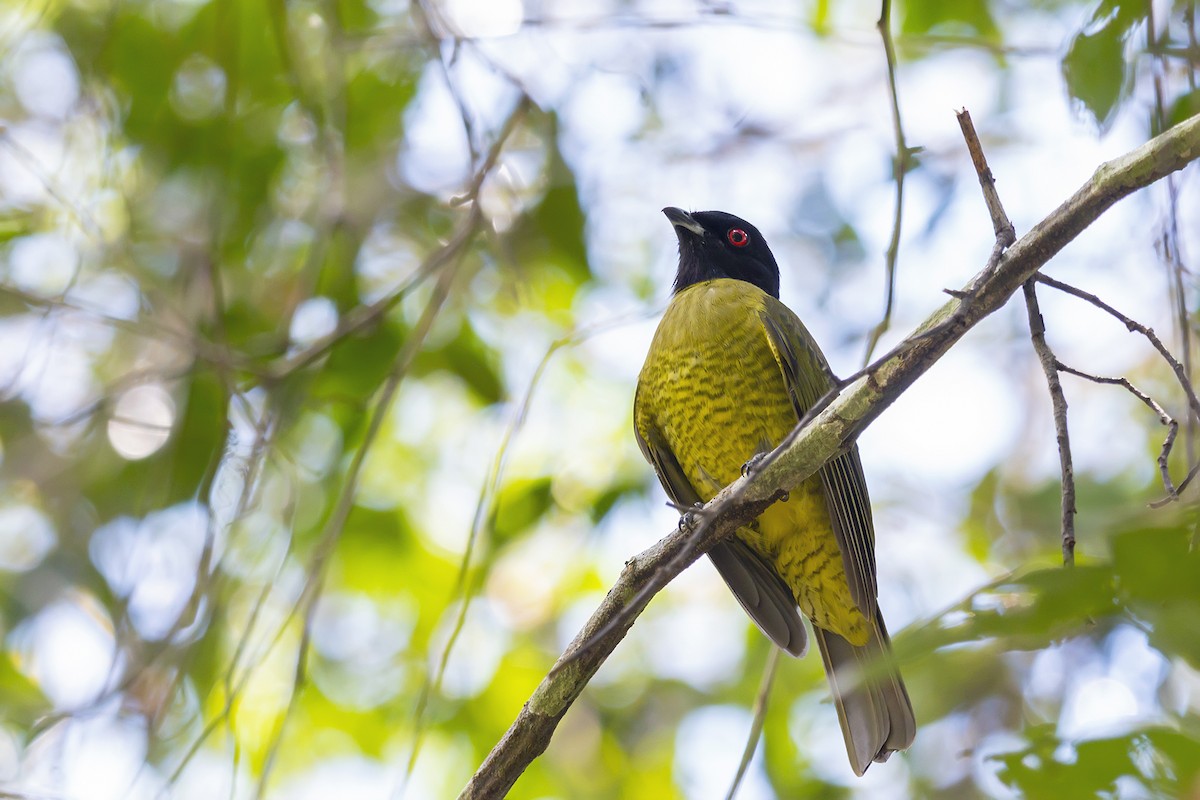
x=364 y=316
x=323 y=552
x=432 y=685
x=1037 y=333
x=233 y=688
x=1179 y=298
x=900 y=167
x=1051 y=366
x=1002 y=226
x=1189 y=17
x=1134 y=327
x=1166 y=419
x=425 y=15
x=1183 y=484
x=299 y=681
x=760 y=717
x=456 y=250
x=483 y=521
x=448 y=254
x=79 y=216
x=1170 y=233
x=401 y=38
x=1005 y=234
x=60 y=301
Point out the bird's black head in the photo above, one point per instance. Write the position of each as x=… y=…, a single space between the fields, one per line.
x=713 y=244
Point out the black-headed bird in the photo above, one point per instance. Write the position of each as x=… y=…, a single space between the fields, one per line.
x=730 y=372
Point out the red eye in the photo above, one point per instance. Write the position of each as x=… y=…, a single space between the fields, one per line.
x=738 y=237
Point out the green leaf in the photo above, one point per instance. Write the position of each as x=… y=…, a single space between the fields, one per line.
x=1156 y=565
x=337 y=279
x=520 y=504
x=376 y=97
x=200 y=438
x=21 y=702
x=358 y=364
x=1163 y=761
x=1157 y=575
x=981 y=526
x=177 y=471
x=559 y=217
x=371 y=547
x=953 y=17
x=1026 y=612
x=1096 y=71
x=818 y=20
x=471 y=359
x=607 y=499
x=551 y=234
x=1186 y=106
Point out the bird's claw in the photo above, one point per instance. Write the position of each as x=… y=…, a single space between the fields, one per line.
x=688 y=521
x=752 y=465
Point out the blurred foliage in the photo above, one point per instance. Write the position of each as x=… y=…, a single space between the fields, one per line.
x=1149 y=582
x=1095 y=67
x=233 y=562
x=972 y=18
x=1165 y=763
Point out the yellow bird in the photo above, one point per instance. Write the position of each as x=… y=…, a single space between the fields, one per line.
x=730 y=372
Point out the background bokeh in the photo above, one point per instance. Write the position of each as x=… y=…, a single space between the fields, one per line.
x=319 y=327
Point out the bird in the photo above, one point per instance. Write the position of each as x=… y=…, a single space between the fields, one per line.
x=729 y=373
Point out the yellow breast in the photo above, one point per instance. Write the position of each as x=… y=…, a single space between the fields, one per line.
x=713 y=390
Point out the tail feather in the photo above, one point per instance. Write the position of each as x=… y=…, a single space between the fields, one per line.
x=872 y=703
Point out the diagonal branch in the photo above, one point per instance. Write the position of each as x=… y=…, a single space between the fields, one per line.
x=832 y=431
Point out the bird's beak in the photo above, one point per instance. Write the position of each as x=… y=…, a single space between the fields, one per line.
x=681 y=219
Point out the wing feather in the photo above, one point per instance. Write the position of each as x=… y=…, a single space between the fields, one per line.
x=808 y=378
x=756 y=585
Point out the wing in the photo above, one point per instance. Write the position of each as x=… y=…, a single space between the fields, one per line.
x=762 y=593
x=758 y=588
x=808 y=378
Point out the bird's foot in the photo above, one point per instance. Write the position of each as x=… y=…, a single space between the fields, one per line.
x=752 y=465
x=690 y=518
